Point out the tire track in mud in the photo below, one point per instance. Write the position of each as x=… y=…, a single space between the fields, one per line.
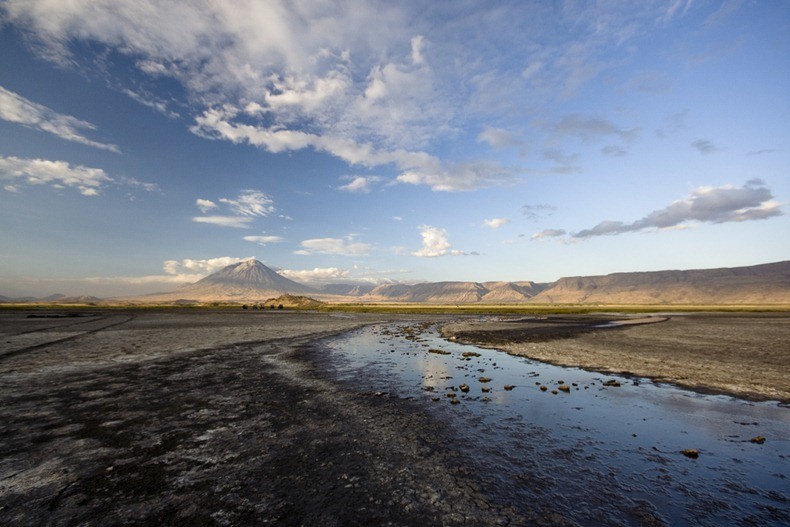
x=76 y=336
x=63 y=326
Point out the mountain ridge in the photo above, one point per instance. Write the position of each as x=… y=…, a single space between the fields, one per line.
x=251 y=281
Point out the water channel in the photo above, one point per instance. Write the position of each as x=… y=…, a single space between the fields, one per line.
x=598 y=454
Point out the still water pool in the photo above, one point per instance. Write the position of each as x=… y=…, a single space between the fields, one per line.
x=598 y=454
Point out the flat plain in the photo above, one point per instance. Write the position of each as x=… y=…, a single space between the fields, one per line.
x=201 y=417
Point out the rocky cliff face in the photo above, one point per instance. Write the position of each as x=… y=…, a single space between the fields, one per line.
x=759 y=284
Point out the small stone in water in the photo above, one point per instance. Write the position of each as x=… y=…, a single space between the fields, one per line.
x=509 y=387
x=758 y=440
x=543 y=388
x=691 y=453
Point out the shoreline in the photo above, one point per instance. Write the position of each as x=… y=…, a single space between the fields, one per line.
x=701 y=352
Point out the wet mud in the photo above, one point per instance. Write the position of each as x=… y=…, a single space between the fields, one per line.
x=245 y=434
x=740 y=354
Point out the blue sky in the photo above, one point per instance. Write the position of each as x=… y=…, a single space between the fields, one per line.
x=146 y=144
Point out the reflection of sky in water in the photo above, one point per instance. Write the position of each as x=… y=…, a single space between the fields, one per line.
x=597 y=453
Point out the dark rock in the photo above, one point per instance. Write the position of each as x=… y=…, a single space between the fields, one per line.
x=691 y=453
x=758 y=440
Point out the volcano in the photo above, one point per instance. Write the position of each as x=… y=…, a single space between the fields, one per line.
x=248 y=280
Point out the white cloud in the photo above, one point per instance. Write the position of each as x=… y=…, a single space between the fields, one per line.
x=264 y=240
x=495 y=223
x=752 y=201
x=16 y=109
x=196 y=269
x=247 y=205
x=372 y=83
x=237 y=222
x=317 y=275
x=435 y=243
x=56 y=174
x=341 y=246
x=360 y=184
x=205 y=205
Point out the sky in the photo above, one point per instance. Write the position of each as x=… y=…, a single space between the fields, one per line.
x=145 y=144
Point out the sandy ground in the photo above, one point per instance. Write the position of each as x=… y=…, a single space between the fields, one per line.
x=216 y=418
x=741 y=354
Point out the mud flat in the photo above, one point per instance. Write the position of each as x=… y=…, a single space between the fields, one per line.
x=216 y=419
x=740 y=354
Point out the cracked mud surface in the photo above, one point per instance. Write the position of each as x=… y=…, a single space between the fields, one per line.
x=207 y=419
x=740 y=354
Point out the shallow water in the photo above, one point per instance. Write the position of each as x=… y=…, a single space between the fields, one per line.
x=597 y=454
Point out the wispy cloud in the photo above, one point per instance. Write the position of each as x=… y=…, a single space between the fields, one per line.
x=236 y=222
x=435 y=243
x=364 y=82
x=499 y=138
x=250 y=203
x=752 y=201
x=337 y=246
x=16 y=109
x=60 y=174
x=538 y=212
x=244 y=208
x=703 y=146
x=548 y=233
x=591 y=128
x=264 y=240
x=360 y=184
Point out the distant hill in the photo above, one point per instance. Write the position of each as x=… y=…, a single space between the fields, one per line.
x=291 y=301
x=757 y=284
x=247 y=281
x=456 y=292
x=251 y=282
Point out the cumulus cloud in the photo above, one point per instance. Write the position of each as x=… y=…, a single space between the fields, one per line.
x=199 y=268
x=435 y=243
x=752 y=201
x=205 y=205
x=360 y=184
x=264 y=240
x=16 y=109
x=495 y=223
x=340 y=246
x=317 y=275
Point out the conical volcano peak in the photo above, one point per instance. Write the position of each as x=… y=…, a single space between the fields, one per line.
x=247 y=271
x=246 y=278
